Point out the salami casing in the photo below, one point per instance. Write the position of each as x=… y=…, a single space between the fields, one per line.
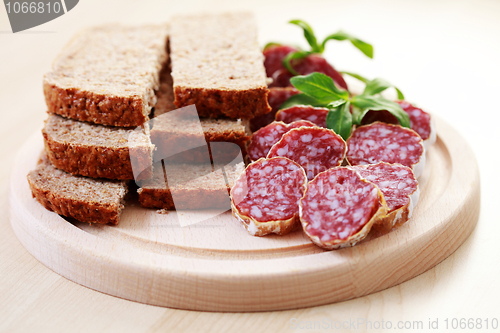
x=266 y=195
x=399 y=187
x=339 y=208
x=266 y=137
x=313 y=148
x=303 y=112
x=380 y=142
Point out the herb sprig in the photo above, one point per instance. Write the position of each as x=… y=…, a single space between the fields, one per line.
x=319 y=48
x=318 y=90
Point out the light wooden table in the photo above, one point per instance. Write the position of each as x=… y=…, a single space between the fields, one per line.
x=442 y=54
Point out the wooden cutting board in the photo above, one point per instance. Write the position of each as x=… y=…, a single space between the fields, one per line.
x=215 y=265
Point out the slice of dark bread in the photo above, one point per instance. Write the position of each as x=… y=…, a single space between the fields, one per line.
x=84 y=199
x=174 y=130
x=108 y=75
x=98 y=151
x=193 y=186
x=217 y=65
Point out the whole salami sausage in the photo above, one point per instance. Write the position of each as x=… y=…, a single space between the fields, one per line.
x=339 y=208
x=303 y=112
x=313 y=148
x=380 y=142
x=266 y=137
x=399 y=187
x=273 y=63
x=266 y=195
x=275 y=98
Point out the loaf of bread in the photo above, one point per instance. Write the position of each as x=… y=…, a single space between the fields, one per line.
x=189 y=186
x=84 y=199
x=176 y=129
x=108 y=75
x=98 y=151
x=217 y=65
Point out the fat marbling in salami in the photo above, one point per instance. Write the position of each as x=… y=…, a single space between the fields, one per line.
x=313 y=148
x=339 y=208
x=265 y=197
x=399 y=187
x=420 y=122
x=266 y=137
x=380 y=142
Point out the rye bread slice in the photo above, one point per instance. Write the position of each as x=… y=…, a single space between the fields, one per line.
x=97 y=151
x=217 y=65
x=173 y=131
x=84 y=199
x=108 y=75
x=193 y=186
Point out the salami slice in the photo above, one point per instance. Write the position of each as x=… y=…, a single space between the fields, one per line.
x=303 y=112
x=420 y=121
x=266 y=137
x=275 y=98
x=266 y=195
x=313 y=148
x=399 y=187
x=339 y=208
x=380 y=142
x=273 y=63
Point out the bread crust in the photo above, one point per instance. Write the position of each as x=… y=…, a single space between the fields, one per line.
x=74 y=207
x=197 y=198
x=98 y=161
x=213 y=103
x=92 y=107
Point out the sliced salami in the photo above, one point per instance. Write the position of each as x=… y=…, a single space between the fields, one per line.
x=273 y=63
x=275 y=98
x=313 y=148
x=420 y=121
x=380 y=142
x=303 y=112
x=399 y=187
x=266 y=137
x=266 y=195
x=339 y=208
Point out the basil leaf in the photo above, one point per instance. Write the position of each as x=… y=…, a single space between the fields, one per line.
x=340 y=120
x=300 y=99
x=356 y=76
x=378 y=103
x=364 y=47
x=320 y=87
x=271 y=44
x=378 y=85
x=308 y=34
x=291 y=56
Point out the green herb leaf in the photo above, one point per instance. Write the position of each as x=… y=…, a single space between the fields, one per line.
x=376 y=86
x=271 y=44
x=356 y=76
x=340 y=120
x=364 y=103
x=308 y=34
x=320 y=87
x=300 y=99
x=364 y=47
x=287 y=61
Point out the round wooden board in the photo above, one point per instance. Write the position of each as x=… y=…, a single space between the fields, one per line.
x=215 y=265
